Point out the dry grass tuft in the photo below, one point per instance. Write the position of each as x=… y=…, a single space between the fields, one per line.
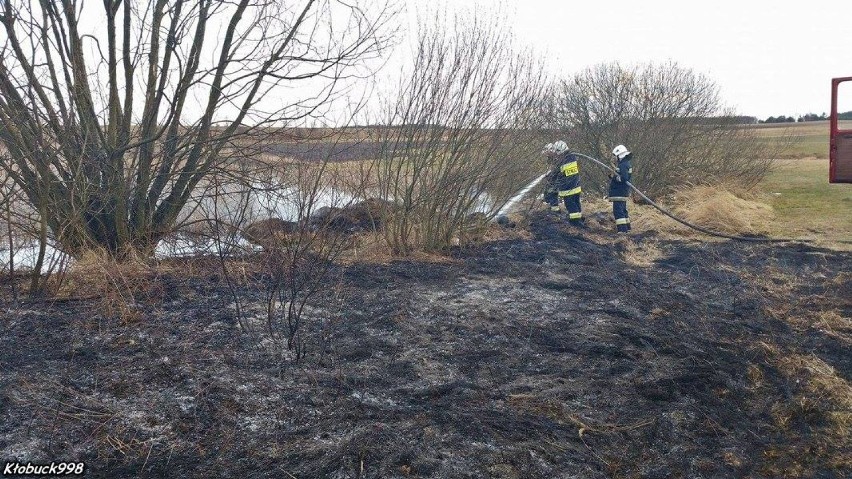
x=732 y=459
x=723 y=211
x=643 y=255
x=520 y=230
x=822 y=382
x=835 y=324
x=714 y=208
x=372 y=248
x=121 y=287
x=646 y=218
x=755 y=375
x=823 y=400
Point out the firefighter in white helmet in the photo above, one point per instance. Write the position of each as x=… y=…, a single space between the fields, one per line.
x=619 y=191
x=564 y=181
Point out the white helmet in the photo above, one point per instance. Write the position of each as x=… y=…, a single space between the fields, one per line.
x=548 y=149
x=560 y=147
x=620 y=151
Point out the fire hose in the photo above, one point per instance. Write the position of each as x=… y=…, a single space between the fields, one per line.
x=687 y=223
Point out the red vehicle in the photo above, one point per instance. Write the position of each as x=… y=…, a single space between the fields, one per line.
x=840 y=146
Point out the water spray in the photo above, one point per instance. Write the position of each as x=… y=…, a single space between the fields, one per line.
x=518 y=197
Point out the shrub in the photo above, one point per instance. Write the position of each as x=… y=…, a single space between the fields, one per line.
x=670 y=117
x=461 y=134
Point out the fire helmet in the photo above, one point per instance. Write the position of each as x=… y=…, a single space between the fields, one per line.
x=620 y=151
x=560 y=147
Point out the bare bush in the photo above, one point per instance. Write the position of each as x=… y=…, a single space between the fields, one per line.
x=298 y=260
x=461 y=132
x=269 y=238
x=670 y=117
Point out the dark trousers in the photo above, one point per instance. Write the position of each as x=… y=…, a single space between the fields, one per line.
x=622 y=221
x=552 y=198
x=572 y=204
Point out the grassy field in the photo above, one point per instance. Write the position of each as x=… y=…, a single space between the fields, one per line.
x=805 y=204
x=797 y=140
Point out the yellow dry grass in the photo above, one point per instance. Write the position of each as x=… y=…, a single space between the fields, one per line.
x=835 y=324
x=714 y=208
x=120 y=286
x=372 y=248
x=519 y=231
x=823 y=380
x=724 y=211
x=825 y=390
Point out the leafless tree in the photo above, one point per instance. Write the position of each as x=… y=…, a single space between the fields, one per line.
x=113 y=112
x=461 y=132
x=670 y=117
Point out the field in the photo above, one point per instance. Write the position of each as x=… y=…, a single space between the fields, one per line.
x=797 y=140
x=805 y=204
x=797 y=188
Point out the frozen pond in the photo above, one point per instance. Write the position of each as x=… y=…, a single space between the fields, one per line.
x=236 y=204
x=232 y=204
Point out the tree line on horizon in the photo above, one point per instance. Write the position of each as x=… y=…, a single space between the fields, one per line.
x=847 y=115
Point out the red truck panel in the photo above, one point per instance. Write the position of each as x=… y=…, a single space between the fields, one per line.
x=840 y=146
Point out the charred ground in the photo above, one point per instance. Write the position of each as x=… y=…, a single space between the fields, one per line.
x=562 y=355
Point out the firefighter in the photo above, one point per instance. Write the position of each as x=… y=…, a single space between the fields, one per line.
x=551 y=196
x=567 y=180
x=619 y=192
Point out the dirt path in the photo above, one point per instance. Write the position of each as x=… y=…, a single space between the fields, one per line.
x=554 y=357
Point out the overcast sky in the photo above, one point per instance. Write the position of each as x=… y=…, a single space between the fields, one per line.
x=767 y=58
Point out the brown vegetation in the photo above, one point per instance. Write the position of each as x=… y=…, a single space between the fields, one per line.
x=717 y=208
x=118 y=289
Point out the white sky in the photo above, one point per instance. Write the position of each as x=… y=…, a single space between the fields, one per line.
x=768 y=58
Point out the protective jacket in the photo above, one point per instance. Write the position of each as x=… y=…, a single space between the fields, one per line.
x=567 y=180
x=618 y=189
x=619 y=193
x=567 y=175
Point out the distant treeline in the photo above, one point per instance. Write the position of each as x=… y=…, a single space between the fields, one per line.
x=847 y=115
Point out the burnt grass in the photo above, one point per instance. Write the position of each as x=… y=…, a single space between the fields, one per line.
x=546 y=357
